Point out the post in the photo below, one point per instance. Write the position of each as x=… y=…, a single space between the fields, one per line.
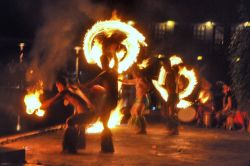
x=77 y=49
x=21 y=46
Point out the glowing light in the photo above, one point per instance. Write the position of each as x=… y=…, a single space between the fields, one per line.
x=175 y=60
x=134 y=39
x=130 y=22
x=144 y=64
x=170 y=25
x=32 y=101
x=204 y=96
x=77 y=49
x=190 y=75
x=40 y=113
x=184 y=104
x=247 y=24
x=21 y=45
x=209 y=24
x=238 y=59
x=199 y=58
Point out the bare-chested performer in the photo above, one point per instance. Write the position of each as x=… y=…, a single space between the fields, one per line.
x=106 y=82
x=169 y=108
x=81 y=117
x=141 y=87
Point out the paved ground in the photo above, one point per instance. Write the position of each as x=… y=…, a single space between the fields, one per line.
x=194 y=146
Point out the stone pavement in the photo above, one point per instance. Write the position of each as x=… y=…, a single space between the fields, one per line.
x=193 y=146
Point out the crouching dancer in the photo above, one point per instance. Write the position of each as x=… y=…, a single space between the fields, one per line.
x=77 y=122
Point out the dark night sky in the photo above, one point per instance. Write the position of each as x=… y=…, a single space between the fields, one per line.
x=21 y=18
x=29 y=20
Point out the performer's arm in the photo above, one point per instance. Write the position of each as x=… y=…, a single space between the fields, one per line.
x=49 y=102
x=80 y=93
x=92 y=82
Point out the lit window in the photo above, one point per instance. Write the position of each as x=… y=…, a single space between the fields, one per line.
x=164 y=28
x=204 y=31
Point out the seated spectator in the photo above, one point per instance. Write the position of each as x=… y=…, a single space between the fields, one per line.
x=224 y=117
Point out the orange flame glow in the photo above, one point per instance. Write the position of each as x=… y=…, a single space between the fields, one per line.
x=114 y=120
x=189 y=74
x=32 y=101
x=204 y=96
x=160 y=83
x=93 y=49
x=175 y=60
x=144 y=64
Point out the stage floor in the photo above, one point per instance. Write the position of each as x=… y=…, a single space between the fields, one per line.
x=193 y=146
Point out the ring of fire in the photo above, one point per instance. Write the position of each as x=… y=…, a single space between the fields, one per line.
x=93 y=48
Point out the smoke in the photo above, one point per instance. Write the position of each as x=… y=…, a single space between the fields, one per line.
x=62 y=25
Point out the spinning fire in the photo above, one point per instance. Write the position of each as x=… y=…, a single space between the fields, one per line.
x=188 y=74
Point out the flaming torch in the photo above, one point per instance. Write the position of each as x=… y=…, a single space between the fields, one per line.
x=32 y=101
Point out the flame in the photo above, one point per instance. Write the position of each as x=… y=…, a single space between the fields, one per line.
x=93 y=52
x=32 y=101
x=160 y=83
x=144 y=64
x=96 y=52
x=40 y=112
x=204 y=96
x=175 y=60
x=184 y=104
x=161 y=89
x=189 y=74
x=114 y=120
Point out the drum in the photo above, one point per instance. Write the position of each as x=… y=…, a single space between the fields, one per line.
x=187 y=115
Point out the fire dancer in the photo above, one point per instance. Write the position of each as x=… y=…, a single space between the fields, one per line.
x=82 y=115
x=108 y=81
x=136 y=112
x=169 y=108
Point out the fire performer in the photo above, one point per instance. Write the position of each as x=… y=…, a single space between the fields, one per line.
x=136 y=111
x=108 y=81
x=82 y=115
x=169 y=108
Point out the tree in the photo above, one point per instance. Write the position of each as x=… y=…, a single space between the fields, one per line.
x=240 y=66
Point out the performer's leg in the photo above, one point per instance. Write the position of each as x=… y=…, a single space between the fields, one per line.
x=81 y=137
x=141 y=119
x=81 y=120
x=106 y=135
x=172 y=122
x=132 y=120
x=70 y=136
